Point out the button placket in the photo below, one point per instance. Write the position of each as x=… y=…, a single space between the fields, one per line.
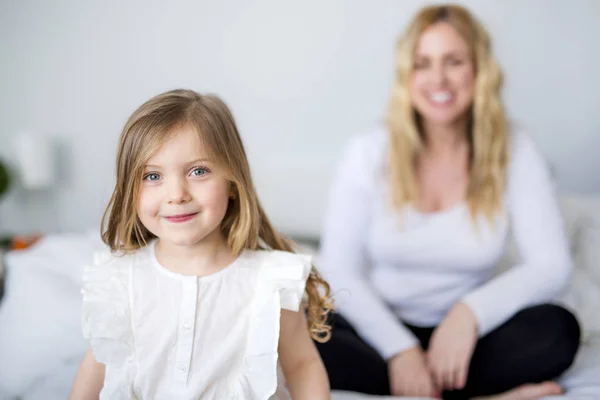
x=185 y=333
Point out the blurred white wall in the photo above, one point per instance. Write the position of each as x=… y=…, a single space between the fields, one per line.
x=300 y=76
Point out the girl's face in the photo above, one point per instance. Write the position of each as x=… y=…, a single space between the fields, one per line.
x=443 y=77
x=183 y=199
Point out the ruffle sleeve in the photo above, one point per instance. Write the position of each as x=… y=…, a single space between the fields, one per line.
x=106 y=322
x=281 y=284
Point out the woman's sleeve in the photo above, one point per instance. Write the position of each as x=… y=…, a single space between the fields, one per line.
x=344 y=256
x=537 y=227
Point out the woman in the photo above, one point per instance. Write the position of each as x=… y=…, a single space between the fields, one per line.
x=418 y=219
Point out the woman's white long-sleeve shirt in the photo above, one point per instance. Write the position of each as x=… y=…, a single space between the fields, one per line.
x=387 y=266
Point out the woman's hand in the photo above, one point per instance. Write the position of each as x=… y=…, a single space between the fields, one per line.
x=409 y=375
x=451 y=348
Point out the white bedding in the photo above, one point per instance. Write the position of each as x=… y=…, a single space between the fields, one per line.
x=581 y=381
x=40 y=335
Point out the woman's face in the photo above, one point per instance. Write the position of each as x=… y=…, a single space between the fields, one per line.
x=443 y=77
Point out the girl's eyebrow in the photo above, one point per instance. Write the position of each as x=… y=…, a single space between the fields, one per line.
x=199 y=160
x=452 y=53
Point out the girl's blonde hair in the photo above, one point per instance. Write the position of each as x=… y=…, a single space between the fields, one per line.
x=488 y=125
x=245 y=225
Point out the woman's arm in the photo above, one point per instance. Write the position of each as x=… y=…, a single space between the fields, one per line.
x=302 y=366
x=89 y=379
x=538 y=229
x=344 y=259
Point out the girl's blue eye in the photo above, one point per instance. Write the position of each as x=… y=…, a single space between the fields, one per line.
x=199 y=171
x=152 y=177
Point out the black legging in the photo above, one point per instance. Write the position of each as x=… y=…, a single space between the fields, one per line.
x=537 y=344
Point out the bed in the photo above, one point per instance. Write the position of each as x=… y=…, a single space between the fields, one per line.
x=40 y=335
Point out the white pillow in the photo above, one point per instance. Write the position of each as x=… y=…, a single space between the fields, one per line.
x=63 y=254
x=583 y=295
x=39 y=327
x=40 y=314
x=56 y=386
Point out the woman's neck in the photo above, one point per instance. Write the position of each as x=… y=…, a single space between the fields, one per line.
x=445 y=139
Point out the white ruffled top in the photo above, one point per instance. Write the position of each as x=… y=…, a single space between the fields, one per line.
x=164 y=335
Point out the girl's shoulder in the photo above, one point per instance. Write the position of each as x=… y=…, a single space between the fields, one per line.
x=281 y=271
x=107 y=264
x=269 y=258
x=277 y=263
x=105 y=311
x=114 y=258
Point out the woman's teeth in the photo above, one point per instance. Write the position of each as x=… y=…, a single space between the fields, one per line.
x=440 y=97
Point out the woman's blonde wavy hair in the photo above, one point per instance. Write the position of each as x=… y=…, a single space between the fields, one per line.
x=245 y=225
x=488 y=125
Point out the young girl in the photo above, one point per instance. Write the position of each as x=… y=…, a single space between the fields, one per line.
x=199 y=297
